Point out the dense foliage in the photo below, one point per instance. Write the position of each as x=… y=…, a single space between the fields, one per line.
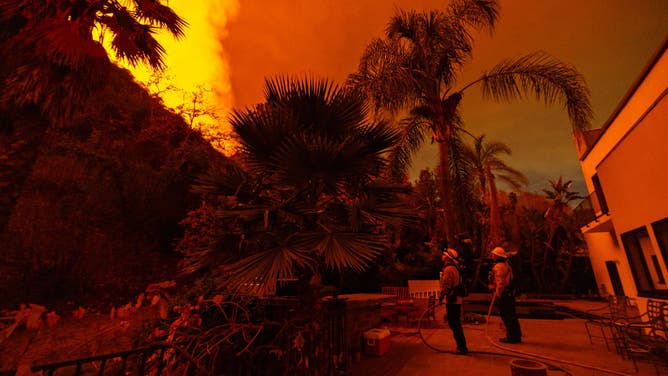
x=308 y=199
x=101 y=198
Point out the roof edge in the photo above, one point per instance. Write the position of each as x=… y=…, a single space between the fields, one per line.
x=629 y=93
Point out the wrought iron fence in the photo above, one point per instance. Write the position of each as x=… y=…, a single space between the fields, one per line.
x=316 y=345
x=136 y=361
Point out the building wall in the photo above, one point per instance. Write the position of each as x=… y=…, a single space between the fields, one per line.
x=603 y=246
x=635 y=175
x=631 y=160
x=647 y=92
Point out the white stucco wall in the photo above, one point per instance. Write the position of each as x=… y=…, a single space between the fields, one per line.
x=634 y=176
x=631 y=159
x=647 y=92
x=603 y=247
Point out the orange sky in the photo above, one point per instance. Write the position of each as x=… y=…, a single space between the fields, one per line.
x=197 y=59
x=608 y=41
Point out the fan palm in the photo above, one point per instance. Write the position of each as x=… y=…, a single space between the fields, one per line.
x=484 y=157
x=309 y=195
x=52 y=58
x=416 y=68
x=52 y=64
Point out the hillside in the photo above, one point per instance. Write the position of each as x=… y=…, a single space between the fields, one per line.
x=90 y=209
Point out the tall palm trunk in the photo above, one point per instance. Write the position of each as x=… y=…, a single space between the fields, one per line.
x=444 y=180
x=445 y=112
x=494 y=215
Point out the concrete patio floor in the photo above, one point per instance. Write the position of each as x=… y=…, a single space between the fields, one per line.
x=564 y=339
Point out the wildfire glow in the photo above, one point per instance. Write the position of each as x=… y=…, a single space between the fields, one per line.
x=198 y=59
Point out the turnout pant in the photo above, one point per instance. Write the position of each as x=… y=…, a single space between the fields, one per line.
x=509 y=317
x=454 y=313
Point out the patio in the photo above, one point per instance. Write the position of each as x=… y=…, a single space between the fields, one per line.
x=564 y=340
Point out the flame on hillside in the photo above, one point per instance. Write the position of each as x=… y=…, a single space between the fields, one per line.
x=197 y=67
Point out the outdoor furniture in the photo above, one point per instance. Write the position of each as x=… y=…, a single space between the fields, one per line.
x=387 y=310
x=619 y=308
x=408 y=309
x=423 y=289
x=411 y=301
x=400 y=292
x=644 y=339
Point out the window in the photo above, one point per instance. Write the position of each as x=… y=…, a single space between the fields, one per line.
x=657 y=270
x=661 y=232
x=598 y=190
x=613 y=273
x=647 y=271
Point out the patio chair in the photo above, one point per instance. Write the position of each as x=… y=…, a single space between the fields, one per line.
x=657 y=313
x=628 y=348
x=619 y=308
x=644 y=340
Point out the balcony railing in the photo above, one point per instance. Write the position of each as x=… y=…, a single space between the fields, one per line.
x=590 y=209
x=598 y=203
x=584 y=213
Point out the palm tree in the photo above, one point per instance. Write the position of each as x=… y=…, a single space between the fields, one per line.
x=308 y=197
x=561 y=195
x=416 y=68
x=54 y=61
x=52 y=64
x=560 y=239
x=485 y=159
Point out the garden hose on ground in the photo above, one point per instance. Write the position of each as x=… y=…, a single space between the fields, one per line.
x=523 y=355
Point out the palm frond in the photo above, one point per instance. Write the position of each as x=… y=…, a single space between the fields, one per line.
x=404 y=24
x=493 y=148
x=345 y=250
x=285 y=89
x=313 y=133
x=61 y=42
x=385 y=76
x=479 y=14
x=513 y=178
x=547 y=78
x=390 y=212
x=156 y=14
x=257 y=271
x=139 y=47
x=460 y=168
x=413 y=132
x=228 y=181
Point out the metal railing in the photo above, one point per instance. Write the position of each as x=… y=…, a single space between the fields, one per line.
x=140 y=361
x=132 y=361
x=589 y=210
